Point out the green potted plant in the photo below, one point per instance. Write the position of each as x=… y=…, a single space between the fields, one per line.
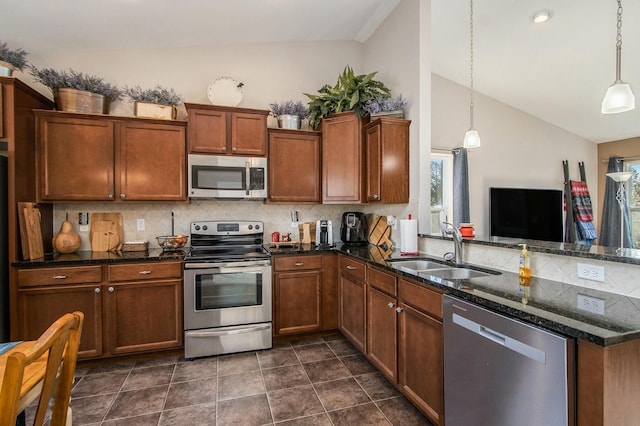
x=289 y=113
x=11 y=59
x=76 y=91
x=350 y=93
x=388 y=107
x=158 y=102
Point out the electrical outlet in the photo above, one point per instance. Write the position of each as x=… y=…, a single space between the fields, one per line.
x=392 y=222
x=591 y=304
x=140 y=224
x=591 y=272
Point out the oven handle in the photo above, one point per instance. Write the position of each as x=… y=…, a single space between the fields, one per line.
x=229 y=332
x=225 y=269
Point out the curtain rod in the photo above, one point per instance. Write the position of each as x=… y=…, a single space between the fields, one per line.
x=455 y=150
x=606 y=160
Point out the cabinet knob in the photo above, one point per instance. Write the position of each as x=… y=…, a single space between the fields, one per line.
x=59 y=277
x=96 y=290
x=110 y=196
x=398 y=309
x=234 y=149
x=391 y=304
x=351 y=268
x=298 y=264
x=111 y=289
x=224 y=149
x=123 y=196
x=376 y=196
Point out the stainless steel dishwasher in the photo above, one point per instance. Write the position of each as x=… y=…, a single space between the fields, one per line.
x=501 y=371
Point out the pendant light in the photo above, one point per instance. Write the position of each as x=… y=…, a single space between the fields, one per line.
x=619 y=97
x=471 y=138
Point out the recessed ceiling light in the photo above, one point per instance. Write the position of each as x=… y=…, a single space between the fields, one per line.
x=542 y=16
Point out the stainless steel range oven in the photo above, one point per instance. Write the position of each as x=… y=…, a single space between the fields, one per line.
x=227 y=289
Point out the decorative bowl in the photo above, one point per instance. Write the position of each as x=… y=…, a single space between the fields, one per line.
x=172 y=242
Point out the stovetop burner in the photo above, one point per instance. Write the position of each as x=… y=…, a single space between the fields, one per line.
x=226 y=240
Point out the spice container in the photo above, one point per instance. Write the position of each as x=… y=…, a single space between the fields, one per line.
x=467 y=230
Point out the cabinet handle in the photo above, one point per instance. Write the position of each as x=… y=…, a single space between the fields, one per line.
x=398 y=309
x=123 y=196
x=144 y=272
x=96 y=290
x=111 y=290
x=391 y=304
x=298 y=264
x=351 y=268
x=59 y=277
x=110 y=196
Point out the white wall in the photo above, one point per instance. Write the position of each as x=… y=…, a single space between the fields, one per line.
x=518 y=150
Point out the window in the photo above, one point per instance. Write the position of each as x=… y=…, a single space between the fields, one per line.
x=441 y=188
x=633 y=195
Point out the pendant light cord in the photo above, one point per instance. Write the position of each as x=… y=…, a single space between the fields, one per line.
x=619 y=41
x=471 y=61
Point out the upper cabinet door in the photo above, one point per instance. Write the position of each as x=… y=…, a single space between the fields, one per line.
x=75 y=158
x=342 y=159
x=248 y=134
x=151 y=162
x=207 y=131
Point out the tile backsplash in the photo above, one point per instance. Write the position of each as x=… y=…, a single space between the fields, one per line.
x=157 y=216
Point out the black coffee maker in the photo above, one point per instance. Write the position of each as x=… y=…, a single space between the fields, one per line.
x=353 y=229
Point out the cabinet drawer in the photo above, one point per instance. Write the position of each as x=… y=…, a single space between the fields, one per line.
x=145 y=271
x=297 y=263
x=353 y=268
x=56 y=276
x=421 y=298
x=382 y=281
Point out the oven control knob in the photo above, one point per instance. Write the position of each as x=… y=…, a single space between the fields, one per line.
x=251 y=227
x=257 y=227
x=205 y=227
x=197 y=227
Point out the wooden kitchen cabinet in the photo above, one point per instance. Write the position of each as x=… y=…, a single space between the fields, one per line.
x=342 y=159
x=294 y=166
x=129 y=308
x=387 y=160
x=382 y=322
x=353 y=301
x=420 y=348
x=223 y=130
x=305 y=293
x=99 y=158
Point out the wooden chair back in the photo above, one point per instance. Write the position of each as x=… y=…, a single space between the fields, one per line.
x=59 y=346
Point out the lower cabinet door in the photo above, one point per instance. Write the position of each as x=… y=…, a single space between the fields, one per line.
x=143 y=316
x=298 y=298
x=40 y=307
x=381 y=332
x=353 y=296
x=421 y=369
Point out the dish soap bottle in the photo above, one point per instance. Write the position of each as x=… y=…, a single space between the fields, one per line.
x=524 y=268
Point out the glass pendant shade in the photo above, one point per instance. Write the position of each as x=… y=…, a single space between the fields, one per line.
x=620 y=176
x=471 y=139
x=619 y=98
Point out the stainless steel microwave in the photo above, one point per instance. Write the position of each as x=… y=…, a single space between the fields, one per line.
x=219 y=176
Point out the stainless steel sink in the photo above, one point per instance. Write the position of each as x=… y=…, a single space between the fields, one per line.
x=414 y=266
x=456 y=273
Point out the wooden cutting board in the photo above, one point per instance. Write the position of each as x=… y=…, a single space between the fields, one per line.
x=30 y=231
x=109 y=217
x=104 y=235
x=379 y=231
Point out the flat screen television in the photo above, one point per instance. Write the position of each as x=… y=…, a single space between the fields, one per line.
x=533 y=214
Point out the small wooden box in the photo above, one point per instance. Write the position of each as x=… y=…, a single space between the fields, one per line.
x=307 y=232
x=149 y=110
x=135 y=246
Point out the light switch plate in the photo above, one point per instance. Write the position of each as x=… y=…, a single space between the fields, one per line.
x=140 y=224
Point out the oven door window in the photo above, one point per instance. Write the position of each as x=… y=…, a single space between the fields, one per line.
x=215 y=177
x=228 y=290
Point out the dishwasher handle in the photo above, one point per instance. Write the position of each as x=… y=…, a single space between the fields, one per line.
x=501 y=339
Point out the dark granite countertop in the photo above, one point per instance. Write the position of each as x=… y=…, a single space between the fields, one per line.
x=609 y=254
x=95 y=257
x=551 y=304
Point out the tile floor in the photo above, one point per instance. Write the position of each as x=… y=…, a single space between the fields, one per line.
x=315 y=381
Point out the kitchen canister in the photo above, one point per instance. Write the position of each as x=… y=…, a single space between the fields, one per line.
x=408 y=236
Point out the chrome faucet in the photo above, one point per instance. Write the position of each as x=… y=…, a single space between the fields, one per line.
x=450 y=229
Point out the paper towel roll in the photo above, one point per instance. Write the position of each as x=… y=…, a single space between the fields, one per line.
x=408 y=236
